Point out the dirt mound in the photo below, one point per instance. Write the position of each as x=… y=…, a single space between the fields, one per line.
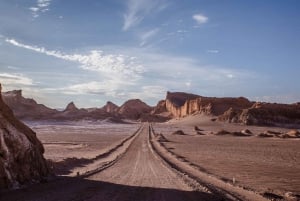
x=246 y=131
x=178 y=132
x=21 y=153
x=236 y=133
x=222 y=132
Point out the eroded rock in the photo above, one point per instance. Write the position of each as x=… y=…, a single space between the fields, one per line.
x=21 y=153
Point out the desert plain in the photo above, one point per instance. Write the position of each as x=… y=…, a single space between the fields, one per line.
x=144 y=161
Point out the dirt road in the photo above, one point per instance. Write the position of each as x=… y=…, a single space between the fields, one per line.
x=138 y=175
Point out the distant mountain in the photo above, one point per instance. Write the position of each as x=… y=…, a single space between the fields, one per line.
x=110 y=108
x=26 y=108
x=134 y=109
x=175 y=105
x=71 y=107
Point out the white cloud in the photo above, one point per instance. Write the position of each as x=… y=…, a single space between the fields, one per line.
x=200 y=19
x=15 y=79
x=112 y=65
x=107 y=87
x=144 y=37
x=137 y=10
x=149 y=92
x=40 y=7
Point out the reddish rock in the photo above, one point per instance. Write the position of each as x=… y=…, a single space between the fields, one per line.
x=26 y=108
x=134 y=109
x=183 y=104
x=110 y=107
x=21 y=153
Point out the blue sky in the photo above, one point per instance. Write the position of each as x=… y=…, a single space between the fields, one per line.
x=93 y=51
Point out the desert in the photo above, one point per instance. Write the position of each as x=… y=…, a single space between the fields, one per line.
x=149 y=100
x=197 y=156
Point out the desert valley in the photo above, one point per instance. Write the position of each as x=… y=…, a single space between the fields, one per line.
x=149 y=100
x=187 y=147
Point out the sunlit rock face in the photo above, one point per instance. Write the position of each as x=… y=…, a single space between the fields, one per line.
x=21 y=153
x=183 y=104
x=271 y=114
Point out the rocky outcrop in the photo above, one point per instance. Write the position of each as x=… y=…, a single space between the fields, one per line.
x=134 y=109
x=21 y=153
x=110 y=107
x=26 y=108
x=268 y=114
x=71 y=107
x=160 y=108
x=183 y=104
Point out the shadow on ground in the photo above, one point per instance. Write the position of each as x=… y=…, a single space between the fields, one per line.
x=77 y=189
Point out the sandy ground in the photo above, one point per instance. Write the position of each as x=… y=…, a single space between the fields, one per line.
x=138 y=175
x=70 y=145
x=266 y=165
x=137 y=170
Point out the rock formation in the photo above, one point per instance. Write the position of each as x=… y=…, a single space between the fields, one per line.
x=110 y=107
x=26 y=108
x=176 y=105
x=21 y=153
x=269 y=114
x=71 y=107
x=183 y=104
x=134 y=109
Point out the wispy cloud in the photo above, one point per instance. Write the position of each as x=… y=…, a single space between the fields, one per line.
x=213 y=51
x=200 y=18
x=41 y=6
x=15 y=79
x=149 y=92
x=137 y=10
x=145 y=36
x=95 y=60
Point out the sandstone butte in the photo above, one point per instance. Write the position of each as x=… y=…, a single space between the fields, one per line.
x=21 y=153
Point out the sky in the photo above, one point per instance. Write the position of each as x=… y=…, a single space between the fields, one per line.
x=93 y=51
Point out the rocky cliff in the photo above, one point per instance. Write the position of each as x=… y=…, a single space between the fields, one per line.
x=269 y=114
x=21 y=153
x=184 y=104
x=26 y=108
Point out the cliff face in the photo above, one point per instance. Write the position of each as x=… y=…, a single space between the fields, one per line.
x=26 y=108
x=183 y=104
x=21 y=153
x=269 y=114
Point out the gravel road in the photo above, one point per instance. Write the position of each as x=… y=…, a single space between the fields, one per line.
x=138 y=175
